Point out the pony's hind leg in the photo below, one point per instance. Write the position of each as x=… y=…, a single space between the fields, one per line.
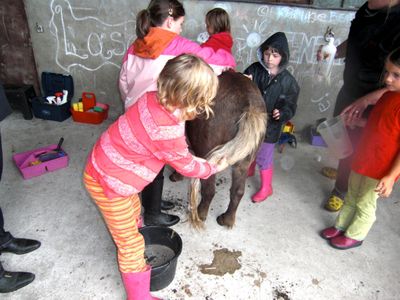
x=207 y=194
x=239 y=175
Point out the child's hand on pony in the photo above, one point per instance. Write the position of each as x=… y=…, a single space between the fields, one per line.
x=276 y=114
x=385 y=186
x=220 y=163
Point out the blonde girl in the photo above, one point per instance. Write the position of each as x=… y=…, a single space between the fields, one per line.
x=132 y=151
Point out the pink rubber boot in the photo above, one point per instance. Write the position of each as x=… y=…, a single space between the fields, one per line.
x=266 y=187
x=137 y=285
x=252 y=169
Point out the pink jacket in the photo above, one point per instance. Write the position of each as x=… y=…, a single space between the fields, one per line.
x=133 y=150
x=146 y=58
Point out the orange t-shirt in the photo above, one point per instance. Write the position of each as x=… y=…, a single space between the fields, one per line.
x=380 y=141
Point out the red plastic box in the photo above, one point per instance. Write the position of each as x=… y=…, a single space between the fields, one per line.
x=23 y=161
x=88 y=115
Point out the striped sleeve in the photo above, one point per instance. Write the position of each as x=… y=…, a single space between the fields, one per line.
x=215 y=58
x=187 y=164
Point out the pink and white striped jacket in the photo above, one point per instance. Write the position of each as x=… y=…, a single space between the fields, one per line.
x=146 y=58
x=133 y=150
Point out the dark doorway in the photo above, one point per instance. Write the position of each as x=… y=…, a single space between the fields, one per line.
x=17 y=63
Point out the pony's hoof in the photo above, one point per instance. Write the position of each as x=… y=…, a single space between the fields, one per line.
x=202 y=215
x=223 y=221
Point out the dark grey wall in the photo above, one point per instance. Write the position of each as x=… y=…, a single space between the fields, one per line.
x=88 y=38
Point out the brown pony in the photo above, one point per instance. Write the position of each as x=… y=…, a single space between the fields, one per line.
x=235 y=131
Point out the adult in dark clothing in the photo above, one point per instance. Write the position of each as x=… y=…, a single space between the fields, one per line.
x=11 y=281
x=374 y=33
x=280 y=92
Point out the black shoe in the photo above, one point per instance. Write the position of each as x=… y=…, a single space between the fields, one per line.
x=12 y=281
x=161 y=219
x=19 y=246
x=167 y=205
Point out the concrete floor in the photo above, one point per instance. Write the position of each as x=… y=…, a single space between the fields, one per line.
x=280 y=253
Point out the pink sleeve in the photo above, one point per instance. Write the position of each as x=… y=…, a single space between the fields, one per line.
x=187 y=164
x=181 y=45
x=123 y=79
x=123 y=82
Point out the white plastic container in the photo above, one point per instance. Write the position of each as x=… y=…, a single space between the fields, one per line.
x=325 y=65
x=335 y=135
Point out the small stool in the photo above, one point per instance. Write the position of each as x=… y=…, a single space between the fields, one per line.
x=19 y=98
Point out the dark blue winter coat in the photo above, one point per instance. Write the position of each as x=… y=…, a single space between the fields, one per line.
x=280 y=92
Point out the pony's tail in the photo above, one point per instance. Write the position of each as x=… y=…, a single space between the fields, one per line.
x=252 y=127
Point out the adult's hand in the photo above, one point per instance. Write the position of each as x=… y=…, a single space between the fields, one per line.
x=352 y=113
x=355 y=110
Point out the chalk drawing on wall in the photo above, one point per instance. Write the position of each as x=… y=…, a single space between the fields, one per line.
x=323 y=102
x=104 y=44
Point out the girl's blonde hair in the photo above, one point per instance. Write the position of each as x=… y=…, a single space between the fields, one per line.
x=217 y=20
x=187 y=83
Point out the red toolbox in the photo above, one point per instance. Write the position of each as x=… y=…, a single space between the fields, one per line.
x=89 y=110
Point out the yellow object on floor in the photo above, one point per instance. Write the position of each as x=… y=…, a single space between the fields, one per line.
x=334 y=203
x=288 y=127
x=329 y=172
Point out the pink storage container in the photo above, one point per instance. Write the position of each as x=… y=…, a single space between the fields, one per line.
x=23 y=161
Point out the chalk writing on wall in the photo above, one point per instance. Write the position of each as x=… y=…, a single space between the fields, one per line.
x=86 y=42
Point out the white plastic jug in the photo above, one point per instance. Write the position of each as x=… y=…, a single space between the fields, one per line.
x=325 y=65
x=335 y=135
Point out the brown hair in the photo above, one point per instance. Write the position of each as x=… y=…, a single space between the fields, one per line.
x=217 y=20
x=394 y=57
x=155 y=15
x=187 y=83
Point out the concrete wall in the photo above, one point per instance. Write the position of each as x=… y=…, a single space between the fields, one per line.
x=88 y=38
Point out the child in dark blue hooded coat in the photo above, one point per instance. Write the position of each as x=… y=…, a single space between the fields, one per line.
x=280 y=92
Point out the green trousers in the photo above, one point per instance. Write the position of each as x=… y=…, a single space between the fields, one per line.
x=358 y=212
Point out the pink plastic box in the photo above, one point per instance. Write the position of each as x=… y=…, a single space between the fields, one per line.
x=23 y=161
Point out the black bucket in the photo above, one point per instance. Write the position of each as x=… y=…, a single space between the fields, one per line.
x=163 y=247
